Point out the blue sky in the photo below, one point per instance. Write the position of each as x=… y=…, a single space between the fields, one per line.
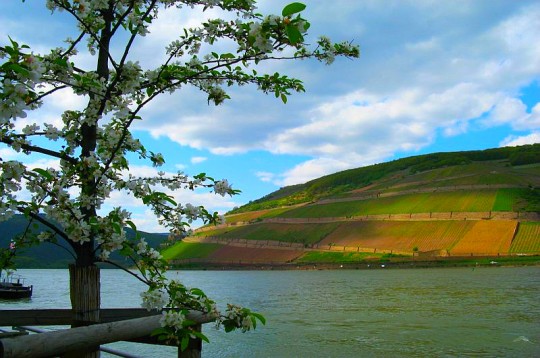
x=432 y=76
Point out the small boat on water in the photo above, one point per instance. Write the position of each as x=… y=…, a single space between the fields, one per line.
x=12 y=287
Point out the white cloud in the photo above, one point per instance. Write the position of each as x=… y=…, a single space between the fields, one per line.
x=311 y=169
x=9 y=154
x=265 y=176
x=513 y=111
x=512 y=141
x=197 y=160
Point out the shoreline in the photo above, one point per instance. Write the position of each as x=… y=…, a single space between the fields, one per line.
x=392 y=263
x=367 y=265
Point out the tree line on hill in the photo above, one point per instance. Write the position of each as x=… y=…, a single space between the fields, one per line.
x=53 y=255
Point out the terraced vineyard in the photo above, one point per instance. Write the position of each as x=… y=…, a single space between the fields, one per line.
x=400 y=235
x=294 y=233
x=466 y=200
x=526 y=240
x=486 y=237
x=440 y=206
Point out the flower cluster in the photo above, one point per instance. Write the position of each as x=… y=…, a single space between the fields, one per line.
x=222 y=187
x=18 y=82
x=239 y=317
x=154 y=300
x=172 y=319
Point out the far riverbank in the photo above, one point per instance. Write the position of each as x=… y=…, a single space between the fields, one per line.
x=393 y=263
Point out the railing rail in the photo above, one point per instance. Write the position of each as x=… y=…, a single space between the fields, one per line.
x=59 y=342
x=102 y=349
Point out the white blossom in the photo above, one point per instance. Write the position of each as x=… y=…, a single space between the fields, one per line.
x=172 y=319
x=142 y=246
x=222 y=187
x=154 y=300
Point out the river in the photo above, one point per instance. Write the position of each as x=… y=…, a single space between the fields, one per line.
x=443 y=312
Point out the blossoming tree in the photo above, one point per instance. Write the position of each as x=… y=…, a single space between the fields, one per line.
x=91 y=145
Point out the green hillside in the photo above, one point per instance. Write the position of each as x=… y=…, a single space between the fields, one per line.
x=48 y=255
x=516 y=166
x=479 y=203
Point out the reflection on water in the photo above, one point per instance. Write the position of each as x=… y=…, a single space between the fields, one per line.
x=490 y=312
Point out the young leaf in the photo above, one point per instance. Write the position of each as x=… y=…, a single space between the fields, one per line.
x=200 y=335
x=184 y=344
x=293 y=8
x=44 y=173
x=294 y=34
x=159 y=331
x=259 y=317
x=131 y=224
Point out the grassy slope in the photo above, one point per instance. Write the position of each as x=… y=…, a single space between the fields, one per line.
x=254 y=215
x=184 y=250
x=403 y=204
x=298 y=233
x=403 y=235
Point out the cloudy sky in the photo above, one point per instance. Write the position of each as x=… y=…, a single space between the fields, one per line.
x=433 y=76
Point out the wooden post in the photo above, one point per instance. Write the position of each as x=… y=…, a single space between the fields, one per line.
x=84 y=290
x=194 y=347
x=84 y=294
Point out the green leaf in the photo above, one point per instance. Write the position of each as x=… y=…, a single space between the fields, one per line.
x=44 y=173
x=18 y=69
x=293 y=8
x=200 y=335
x=198 y=292
x=147 y=198
x=184 y=343
x=159 y=331
x=131 y=224
x=116 y=227
x=293 y=34
x=284 y=98
x=260 y=317
x=169 y=199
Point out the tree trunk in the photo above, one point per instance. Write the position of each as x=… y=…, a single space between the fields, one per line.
x=84 y=285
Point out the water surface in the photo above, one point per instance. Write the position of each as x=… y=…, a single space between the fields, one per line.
x=457 y=312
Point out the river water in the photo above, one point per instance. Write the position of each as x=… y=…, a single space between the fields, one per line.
x=455 y=312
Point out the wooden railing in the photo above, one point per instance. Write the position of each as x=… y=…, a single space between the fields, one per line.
x=131 y=324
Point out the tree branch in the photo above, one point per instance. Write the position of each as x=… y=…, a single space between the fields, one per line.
x=33 y=148
x=126 y=270
x=48 y=224
x=74 y=44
